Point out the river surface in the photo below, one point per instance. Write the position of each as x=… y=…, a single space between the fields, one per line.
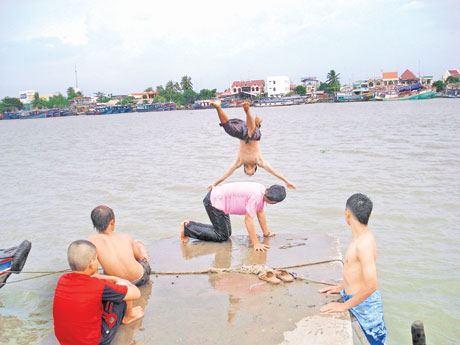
x=153 y=169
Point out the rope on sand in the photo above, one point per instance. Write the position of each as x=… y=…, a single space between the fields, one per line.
x=254 y=269
x=249 y=269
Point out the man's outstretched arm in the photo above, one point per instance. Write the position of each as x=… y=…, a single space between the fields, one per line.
x=230 y=171
x=268 y=167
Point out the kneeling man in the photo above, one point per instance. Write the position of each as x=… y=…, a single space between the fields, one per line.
x=243 y=198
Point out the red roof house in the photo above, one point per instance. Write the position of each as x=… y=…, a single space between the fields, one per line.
x=408 y=78
x=408 y=75
x=389 y=75
x=390 y=78
x=248 y=86
x=451 y=73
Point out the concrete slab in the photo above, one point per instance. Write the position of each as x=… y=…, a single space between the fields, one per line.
x=235 y=308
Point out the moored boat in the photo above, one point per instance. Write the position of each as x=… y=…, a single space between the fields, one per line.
x=99 y=110
x=274 y=102
x=408 y=92
x=12 y=260
x=349 y=97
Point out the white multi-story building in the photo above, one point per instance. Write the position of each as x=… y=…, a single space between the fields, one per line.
x=278 y=86
x=26 y=96
x=311 y=84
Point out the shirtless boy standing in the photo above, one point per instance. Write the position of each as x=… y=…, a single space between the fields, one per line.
x=118 y=254
x=249 y=153
x=359 y=288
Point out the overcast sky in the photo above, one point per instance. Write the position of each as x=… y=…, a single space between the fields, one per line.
x=126 y=46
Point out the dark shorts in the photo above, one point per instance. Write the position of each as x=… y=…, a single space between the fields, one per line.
x=146 y=276
x=237 y=128
x=113 y=314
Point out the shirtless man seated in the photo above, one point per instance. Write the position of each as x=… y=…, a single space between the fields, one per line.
x=359 y=289
x=249 y=154
x=118 y=254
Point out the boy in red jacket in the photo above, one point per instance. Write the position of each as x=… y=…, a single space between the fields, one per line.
x=88 y=308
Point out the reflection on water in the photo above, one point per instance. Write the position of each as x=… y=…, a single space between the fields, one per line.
x=153 y=170
x=232 y=284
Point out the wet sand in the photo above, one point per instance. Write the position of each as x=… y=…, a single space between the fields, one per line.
x=238 y=308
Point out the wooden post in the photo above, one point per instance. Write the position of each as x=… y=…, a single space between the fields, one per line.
x=418 y=333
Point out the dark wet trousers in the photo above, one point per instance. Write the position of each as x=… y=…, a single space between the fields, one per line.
x=219 y=231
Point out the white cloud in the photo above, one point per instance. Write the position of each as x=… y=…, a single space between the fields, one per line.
x=69 y=31
x=413 y=5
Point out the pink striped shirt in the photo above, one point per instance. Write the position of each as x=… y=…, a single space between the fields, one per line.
x=239 y=198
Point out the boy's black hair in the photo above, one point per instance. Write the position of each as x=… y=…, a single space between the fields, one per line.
x=360 y=206
x=276 y=193
x=101 y=217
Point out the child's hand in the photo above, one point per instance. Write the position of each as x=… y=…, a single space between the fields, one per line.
x=331 y=289
x=334 y=307
x=290 y=185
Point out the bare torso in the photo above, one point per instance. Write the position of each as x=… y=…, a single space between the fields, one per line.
x=116 y=255
x=353 y=278
x=250 y=153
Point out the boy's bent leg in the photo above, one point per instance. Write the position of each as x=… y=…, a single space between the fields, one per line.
x=222 y=116
x=132 y=313
x=142 y=249
x=113 y=314
x=250 y=122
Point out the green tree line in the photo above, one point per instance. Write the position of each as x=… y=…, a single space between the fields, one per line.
x=181 y=93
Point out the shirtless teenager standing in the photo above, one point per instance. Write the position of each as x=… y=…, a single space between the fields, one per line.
x=118 y=254
x=249 y=154
x=359 y=288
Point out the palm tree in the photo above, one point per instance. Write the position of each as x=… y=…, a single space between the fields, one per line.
x=36 y=102
x=70 y=92
x=332 y=77
x=333 y=80
x=186 y=83
x=171 y=88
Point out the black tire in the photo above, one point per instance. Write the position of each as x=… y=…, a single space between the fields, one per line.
x=20 y=256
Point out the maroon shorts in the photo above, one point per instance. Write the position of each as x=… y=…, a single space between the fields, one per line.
x=237 y=128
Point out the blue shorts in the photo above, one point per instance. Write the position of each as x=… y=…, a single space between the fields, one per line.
x=369 y=314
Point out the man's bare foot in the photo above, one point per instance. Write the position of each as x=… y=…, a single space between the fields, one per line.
x=215 y=104
x=246 y=106
x=183 y=238
x=258 y=121
x=136 y=314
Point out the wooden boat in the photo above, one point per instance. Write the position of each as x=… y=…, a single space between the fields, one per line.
x=274 y=102
x=356 y=95
x=12 y=260
x=407 y=93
